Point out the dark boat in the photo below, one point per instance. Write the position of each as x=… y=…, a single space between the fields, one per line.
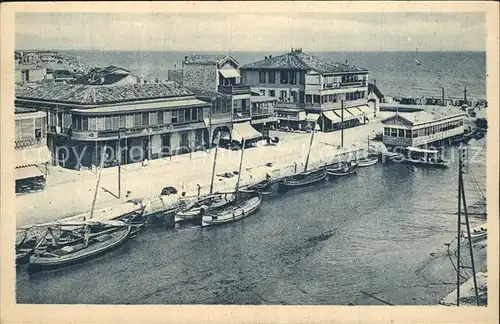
x=203 y=205
x=93 y=245
x=369 y=161
x=304 y=178
x=422 y=157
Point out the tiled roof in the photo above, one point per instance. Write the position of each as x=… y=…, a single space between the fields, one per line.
x=88 y=94
x=421 y=117
x=206 y=94
x=207 y=58
x=301 y=61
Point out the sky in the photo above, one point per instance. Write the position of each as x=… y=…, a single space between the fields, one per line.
x=252 y=31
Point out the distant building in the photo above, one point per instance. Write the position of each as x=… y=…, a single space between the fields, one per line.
x=153 y=120
x=31 y=152
x=375 y=97
x=423 y=128
x=310 y=88
x=110 y=75
x=176 y=76
x=29 y=73
x=216 y=78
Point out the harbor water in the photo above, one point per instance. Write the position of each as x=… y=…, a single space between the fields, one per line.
x=329 y=243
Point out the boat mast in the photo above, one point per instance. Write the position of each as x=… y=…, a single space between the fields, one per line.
x=342 y=123
x=239 y=171
x=97 y=183
x=215 y=160
x=310 y=145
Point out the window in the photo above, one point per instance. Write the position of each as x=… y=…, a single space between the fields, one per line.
x=153 y=118
x=401 y=133
x=108 y=123
x=181 y=116
x=272 y=93
x=283 y=94
x=129 y=121
x=272 y=77
x=343 y=79
x=293 y=77
x=308 y=99
x=92 y=124
x=293 y=96
x=408 y=133
x=100 y=123
x=362 y=94
x=145 y=119
x=115 y=124
x=415 y=133
x=167 y=117
x=394 y=132
x=174 y=116
x=302 y=77
x=324 y=99
x=262 y=77
x=387 y=131
x=123 y=119
x=301 y=96
x=262 y=92
x=85 y=123
x=284 y=77
x=316 y=99
x=334 y=98
x=137 y=120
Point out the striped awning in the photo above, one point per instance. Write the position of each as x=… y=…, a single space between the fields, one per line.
x=347 y=114
x=355 y=112
x=32 y=156
x=230 y=73
x=311 y=117
x=366 y=110
x=302 y=115
x=244 y=131
x=332 y=116
x=28 y=172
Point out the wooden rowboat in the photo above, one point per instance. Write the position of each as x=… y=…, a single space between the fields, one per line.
x=70 y=254
x=241 y=208
x=367 y=162
x=344 y=171
x=203 y=206
x=304 y=178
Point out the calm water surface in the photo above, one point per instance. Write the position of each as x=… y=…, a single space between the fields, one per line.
x=317 y=245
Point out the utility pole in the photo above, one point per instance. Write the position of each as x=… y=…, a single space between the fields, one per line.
x=442 y=96
x=462 y=168
x=465 y=94
x=342 y=123
x=119 y=158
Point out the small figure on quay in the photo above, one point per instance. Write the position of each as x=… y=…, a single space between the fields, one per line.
x=199 y=188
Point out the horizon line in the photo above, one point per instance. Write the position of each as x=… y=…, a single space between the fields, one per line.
x=251 y=51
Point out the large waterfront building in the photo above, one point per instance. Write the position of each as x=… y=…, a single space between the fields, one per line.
x=143 y=121
x=304 y=84
x=31 y=154
x=423 y=128
x=216 y=78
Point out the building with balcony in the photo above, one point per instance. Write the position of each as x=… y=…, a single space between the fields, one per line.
x=304 y=84
x=422 y=129
x=141 y=121
x=31 y=152
x=216 y=78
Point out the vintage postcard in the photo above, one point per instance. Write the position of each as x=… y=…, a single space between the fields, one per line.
x=250 y=162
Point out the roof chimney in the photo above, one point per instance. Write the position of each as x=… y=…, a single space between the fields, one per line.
x=265 y=57
x=345 y=61
x=186 y=58
x=270 y=56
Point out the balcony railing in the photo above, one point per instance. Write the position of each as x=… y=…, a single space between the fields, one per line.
x=337 y=85
x=241 y=115
x=30 y=142
x=234 y=89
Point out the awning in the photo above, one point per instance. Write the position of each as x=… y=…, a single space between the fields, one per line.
x=302 y=115
x=347 y=114
x=244 y=131
x=332 y=116
x=230 y=73
x=311 y=117
x=28 y=172
x=206 y=121
x=32 y=156
x=355 y=112
x=366 y=110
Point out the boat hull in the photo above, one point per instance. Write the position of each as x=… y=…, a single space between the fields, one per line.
x=300 y=180
x=39 y=262
x=198 y=211
x=367 y=162
x=233 y=213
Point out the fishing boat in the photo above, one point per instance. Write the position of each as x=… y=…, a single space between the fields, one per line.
x=241 y=208
x=92 y=245
x=478 y=233
x=369 y=161
x=346 y=169
x=304 y=178
x=422 y=157
x=264 y=187
x=416 y=60
x=202 y=206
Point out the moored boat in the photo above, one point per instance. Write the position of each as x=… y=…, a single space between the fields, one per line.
x=478 y=233
x=202 y=206
x=242 y=207
x=367 y=162
x=92 y=245
x=422 y=157
x=304 y=178
x=345 y=170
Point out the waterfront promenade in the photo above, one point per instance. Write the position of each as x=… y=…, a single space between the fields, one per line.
x=70 y=192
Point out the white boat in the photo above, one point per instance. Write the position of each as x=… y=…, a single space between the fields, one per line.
x=478 y=233
x=203 y=206
x=367 y=162
x=422 y=157
x=304 y=178
x=344 y=170
x=241 y=208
